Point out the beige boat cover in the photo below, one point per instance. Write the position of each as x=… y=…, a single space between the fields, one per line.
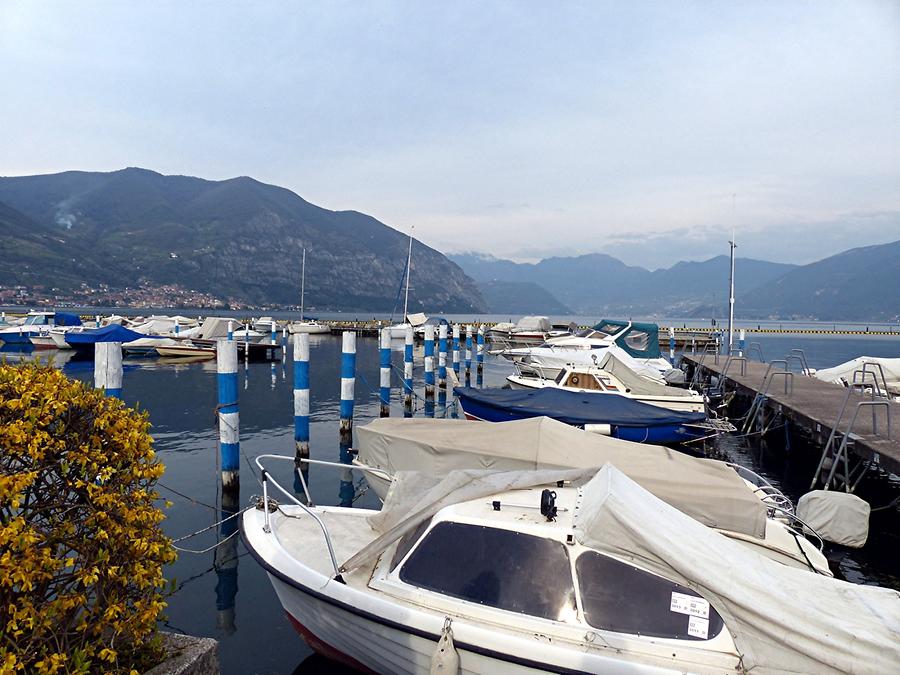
x=784 y=620
x=843 y=373
x=705 y=489
x=417 y=319
x=839 y=517
x=533 y=323
x=613 y=364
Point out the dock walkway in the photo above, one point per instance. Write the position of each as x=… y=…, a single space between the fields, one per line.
x=815 y=405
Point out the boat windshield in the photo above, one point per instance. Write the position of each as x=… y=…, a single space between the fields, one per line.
x=36 y=320
x=622 y=598
x=498 y=568
x=591 y=333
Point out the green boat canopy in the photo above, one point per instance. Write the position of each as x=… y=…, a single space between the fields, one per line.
x=641 y=340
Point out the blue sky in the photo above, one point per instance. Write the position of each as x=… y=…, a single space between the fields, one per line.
x=521 y=129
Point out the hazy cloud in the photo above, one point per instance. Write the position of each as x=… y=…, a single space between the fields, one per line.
x=521 y=128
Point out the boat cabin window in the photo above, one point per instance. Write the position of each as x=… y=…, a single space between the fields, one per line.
x=499 y=568
x=622 y=598
x=561 y=376
x=36 y=320
x=408 y=541
x=610 y=328
x=638 y=340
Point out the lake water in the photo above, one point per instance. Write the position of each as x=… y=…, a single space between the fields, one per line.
x=228 y=596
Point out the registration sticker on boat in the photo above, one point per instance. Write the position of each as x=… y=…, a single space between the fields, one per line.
x=698 y=627
x=689 y=604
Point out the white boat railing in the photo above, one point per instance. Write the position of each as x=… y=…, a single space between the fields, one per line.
x=267 y=478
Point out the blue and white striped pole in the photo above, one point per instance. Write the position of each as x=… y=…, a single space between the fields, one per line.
x=301 y=396
x=284 y=343
x=456 y=348
x=230 y=331
x=742 y=336
x=348 y=383
x=408 y=367
x=177 y=328
x=479 y=354
x=442 y=356
x=672 y=346
x=385 y=372
x=246 y=344
x=429 y=362
x=108 y=368
x=229 y=416
x=468 y=350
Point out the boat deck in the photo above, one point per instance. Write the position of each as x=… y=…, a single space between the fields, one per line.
x=815 y=406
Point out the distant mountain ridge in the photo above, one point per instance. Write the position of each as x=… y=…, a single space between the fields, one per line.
x=601 y=284
x=236 y=238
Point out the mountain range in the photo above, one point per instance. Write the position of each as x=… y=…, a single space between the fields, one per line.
x=859 y=284
x=235 y=239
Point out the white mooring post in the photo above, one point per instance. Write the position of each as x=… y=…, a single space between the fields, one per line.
x=672 y=346
x=742 y=336
x=442 y=356
x=108 y=368
x=348 y=383
x=301 y=396
x=385 y=372
x=468 y=350
x=230 y=331
x=229 y=416
x=456 y=348
x=429 y=361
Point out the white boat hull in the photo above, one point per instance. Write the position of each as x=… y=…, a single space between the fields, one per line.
x=205 y=352
x=309 y=327
x=681 y=404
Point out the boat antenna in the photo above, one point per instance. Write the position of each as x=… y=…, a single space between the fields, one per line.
x=732 y=246
x=302 y=283
x=408 y=270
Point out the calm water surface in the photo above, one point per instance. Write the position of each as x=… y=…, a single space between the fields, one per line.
x=226 y=595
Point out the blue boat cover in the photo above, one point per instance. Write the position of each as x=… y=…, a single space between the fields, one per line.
x=66 y=319
x=113 y=333
x=577 y=408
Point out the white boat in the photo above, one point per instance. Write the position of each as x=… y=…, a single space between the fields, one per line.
x=553 y=571
x=528 y=331
x=398 y=330
x=614 y=378
x=264 y=324
x=879 y=375
x=187 y=350
x=36 y=323
x=310 y=326
x=727 y=497
x=635 y=344
x=42 y=340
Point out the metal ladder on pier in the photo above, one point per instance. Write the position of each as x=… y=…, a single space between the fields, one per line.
x=837 y=449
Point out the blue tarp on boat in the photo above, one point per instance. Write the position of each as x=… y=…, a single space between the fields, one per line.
x=66 y=319
x=113 y=333
x=576 y=408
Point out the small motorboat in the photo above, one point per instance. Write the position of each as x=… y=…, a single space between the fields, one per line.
x=612 y=377
x=553 y=571
x=187 y=349
x=311 y=326
x=36 y=323
x=528 y=331
x=730 y=498
x=85 y=340
x=615 y=416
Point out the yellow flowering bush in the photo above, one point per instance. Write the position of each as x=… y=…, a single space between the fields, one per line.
x=81 y=547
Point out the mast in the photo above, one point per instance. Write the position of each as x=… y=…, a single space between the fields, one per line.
x=732 y=246
x=408 y=270
x=302 y=283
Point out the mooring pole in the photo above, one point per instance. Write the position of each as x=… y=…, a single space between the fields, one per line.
x=230 y=331
x=468 y=350
x=408 y=368
x=229 y=416
x=442 y=356
x=741 y=338
x=177 y=328
x=672 y=346
x=429 y=362
x=108 y=368
x=301 y=398
x=348 y=382
x=284 y=343
x=479 y=354
x=456 y=348
x=385 y=373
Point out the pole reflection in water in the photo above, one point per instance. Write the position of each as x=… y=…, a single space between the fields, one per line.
x=347 y=492
x=479 y=378
x=225 y=562
x=429 y=407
